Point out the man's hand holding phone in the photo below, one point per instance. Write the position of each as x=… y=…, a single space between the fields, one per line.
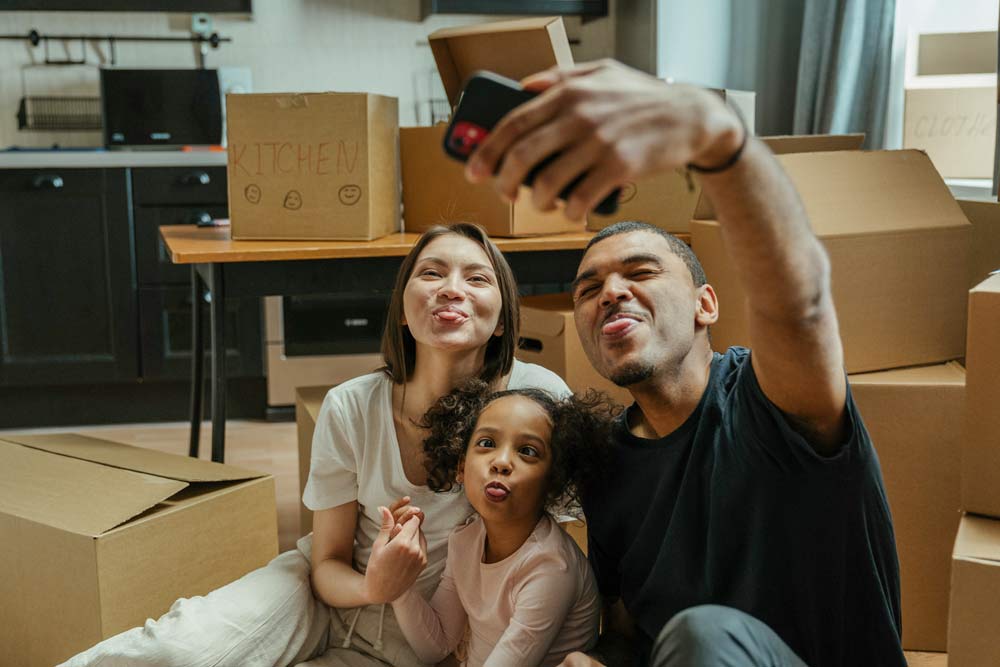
x=599 y=125
x=486 y=99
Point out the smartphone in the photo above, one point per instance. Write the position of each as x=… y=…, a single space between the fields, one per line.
x=485 y=99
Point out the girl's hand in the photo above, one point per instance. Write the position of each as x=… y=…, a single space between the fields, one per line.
x=402 y=512
x=395 y=563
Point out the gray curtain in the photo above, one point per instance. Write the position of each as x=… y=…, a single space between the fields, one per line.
x=844 y=62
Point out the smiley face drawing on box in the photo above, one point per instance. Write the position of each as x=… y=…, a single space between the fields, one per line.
x=628 y=192
x=350 y=195
x=252 y=193
x=293 y=200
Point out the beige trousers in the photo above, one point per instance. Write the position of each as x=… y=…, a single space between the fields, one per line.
x=268 y=618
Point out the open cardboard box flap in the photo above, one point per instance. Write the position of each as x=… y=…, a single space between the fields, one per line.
x=978 y=539
x=858 y=193
x=89 y=486
x=951 y=373
x=514 y=49
x=785 y=144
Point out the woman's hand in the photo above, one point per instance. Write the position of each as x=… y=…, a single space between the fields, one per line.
x=402 y=512
x=396 y=562
x=578 y=659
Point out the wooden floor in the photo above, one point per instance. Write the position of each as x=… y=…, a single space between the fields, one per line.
x=273 y=448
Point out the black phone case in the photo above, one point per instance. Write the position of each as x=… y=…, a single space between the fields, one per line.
x=485 y=99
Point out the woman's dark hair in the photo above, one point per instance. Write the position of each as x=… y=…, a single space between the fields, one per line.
x=398 y=345
x=580 y=446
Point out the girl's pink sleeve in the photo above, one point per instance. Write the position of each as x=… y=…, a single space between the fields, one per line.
x=433 y=629
x=543 y=600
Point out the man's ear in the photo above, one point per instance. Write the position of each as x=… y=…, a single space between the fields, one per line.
x=707 y=312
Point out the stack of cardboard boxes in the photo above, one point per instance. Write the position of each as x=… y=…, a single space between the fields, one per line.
x=973 y=639
x=899 y=248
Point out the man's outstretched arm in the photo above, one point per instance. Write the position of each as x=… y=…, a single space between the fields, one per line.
x=615 y=124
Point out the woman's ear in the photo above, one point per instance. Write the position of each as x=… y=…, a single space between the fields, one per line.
x=499 y=330
x=460 y=475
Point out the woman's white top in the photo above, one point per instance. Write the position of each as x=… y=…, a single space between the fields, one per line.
x=355 y=456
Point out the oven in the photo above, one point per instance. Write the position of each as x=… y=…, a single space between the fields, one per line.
x=321 y=340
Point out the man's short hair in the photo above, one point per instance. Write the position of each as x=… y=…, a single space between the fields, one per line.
x=677 y=246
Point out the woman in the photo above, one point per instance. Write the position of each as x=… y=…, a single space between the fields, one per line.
x=453 y=315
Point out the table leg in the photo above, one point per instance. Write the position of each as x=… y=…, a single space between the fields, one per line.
x=218 y=325
x=197 y=362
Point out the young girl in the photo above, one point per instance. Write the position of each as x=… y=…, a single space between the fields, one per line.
x=518 y=580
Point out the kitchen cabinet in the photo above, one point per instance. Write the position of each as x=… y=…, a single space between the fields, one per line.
x=177 y=196
x=67 y=279
x=91 y=308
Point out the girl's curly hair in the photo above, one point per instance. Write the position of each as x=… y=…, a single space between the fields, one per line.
x=580 y=446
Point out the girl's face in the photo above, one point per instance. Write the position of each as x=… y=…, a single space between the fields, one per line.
x=452 y=300
x=507 y=462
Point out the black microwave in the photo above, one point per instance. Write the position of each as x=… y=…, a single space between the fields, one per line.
x=146 y=108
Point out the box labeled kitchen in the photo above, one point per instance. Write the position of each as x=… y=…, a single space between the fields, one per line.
x=313 y=165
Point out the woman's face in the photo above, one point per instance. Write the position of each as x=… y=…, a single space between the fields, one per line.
x=452 y=300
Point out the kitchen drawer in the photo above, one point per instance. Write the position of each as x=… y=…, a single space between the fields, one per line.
x=152 y=260
x=165 y=332
x=179 y=185
x=56 y=181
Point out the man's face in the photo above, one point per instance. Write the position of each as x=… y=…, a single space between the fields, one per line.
x=635 y=307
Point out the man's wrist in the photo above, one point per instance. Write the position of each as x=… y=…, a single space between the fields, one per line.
x=725 y=149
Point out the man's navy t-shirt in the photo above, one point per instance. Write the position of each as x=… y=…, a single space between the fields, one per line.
x=735 y=508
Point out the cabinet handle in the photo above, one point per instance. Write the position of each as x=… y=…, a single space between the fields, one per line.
x=200 y=218
x=47 y=182
x=196 y=178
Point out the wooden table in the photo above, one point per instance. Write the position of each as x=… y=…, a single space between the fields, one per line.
x=278 y=268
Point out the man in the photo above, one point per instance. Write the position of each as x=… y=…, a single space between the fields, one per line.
x=744 y=521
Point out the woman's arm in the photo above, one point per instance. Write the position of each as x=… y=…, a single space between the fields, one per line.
x=433 y=629
x=392 y=568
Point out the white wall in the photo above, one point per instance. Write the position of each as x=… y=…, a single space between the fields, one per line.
x=694 y=41
x=289 y=45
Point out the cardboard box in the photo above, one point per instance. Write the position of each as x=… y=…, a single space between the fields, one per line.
x=665 y=200
x=981 y=452
x=912 y=415
x=313 y=165
x=549 y=339
x=955 y=125
x=514 y=49
x=985 y=219
x=787 y=144
x=950 y=101
x=973 y=640
x=435 y=192
x=434 y=188
x=899 y=250
x=308 y=401
x=957 y=53
x=98 y=536
x=668 y=200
